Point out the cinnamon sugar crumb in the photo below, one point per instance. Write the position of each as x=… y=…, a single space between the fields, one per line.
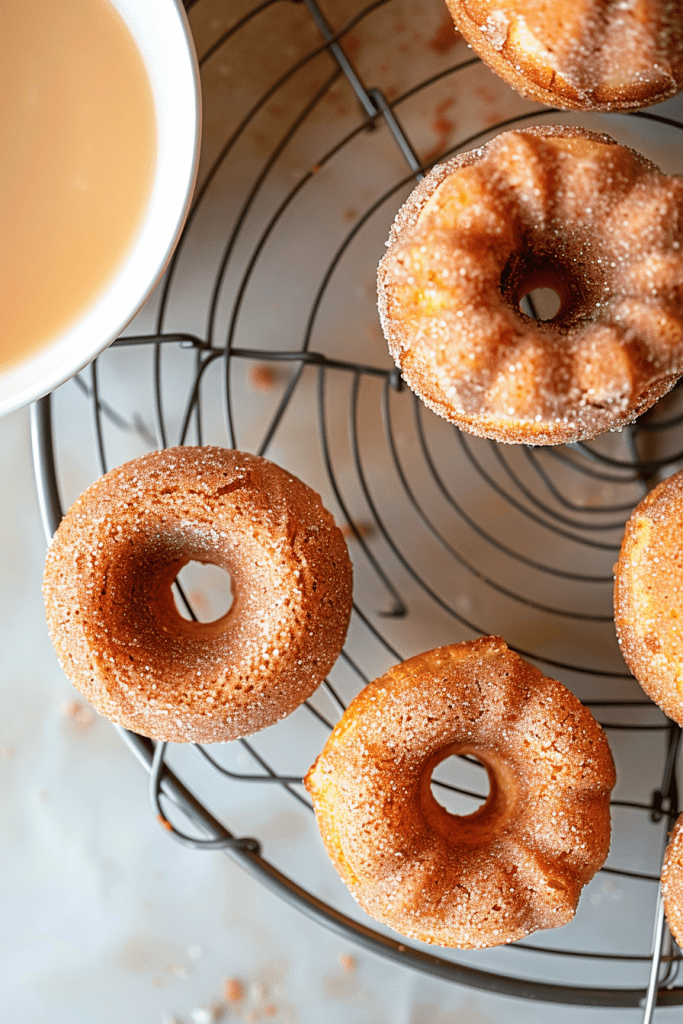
x=82 y=716
x=348 y=962
x=233 y=990
x=262 y=377
x=362 y=529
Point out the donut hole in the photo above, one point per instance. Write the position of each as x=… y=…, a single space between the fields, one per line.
x=543 y=294
x=453 y=775
x=541 y=303
x=208 y=589
x=459 y=800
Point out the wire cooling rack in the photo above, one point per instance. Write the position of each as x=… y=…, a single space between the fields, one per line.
x=263 y=335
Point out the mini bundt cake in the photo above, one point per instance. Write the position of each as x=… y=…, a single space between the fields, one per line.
x=516 y=864
x=585 y=55
x=648 y=595
x=672 y=881
x=113 y=619
x=551 y=207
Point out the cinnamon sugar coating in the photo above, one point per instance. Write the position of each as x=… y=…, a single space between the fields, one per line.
x=113 y=620
x=648 y=595
x=541 y=207
x=519 y=862
x=583 y=55
x=672 y=881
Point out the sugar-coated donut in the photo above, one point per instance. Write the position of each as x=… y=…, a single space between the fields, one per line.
x=114 y=623
x=518 y=862
x=648 y=595
x=672 y=881
x=585 y=55
x=542 y=207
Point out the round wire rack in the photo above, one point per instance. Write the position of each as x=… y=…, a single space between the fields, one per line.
x=263 y=334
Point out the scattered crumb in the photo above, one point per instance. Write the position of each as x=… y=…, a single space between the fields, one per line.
x=195 y=952
x=262 y=377
x=493 y=118
x=38 y=796
x=7 y=753
x=445 y=37
x=348 y=962
x=363 y=529
x=442 y=127
x=164 y=823
x=350 y=214
x=179 y=970
x=486 y=94
x=233 y=990
x=351 y=43
x=82 y=716
x=270 y=1010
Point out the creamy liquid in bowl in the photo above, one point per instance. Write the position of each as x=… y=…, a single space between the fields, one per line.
x=77 y=156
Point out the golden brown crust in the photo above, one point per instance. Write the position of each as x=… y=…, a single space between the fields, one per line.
x=112 y=617
x=518 y=863
x=556 y=207
x=672 y=882
x=648 y=606
x=584 y=55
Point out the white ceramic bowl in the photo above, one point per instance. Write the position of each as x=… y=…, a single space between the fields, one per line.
x=161 y=32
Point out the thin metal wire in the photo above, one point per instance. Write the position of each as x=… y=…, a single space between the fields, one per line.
x=534 y=460
x=667 y=793
x=243 y=776
x=97 y=418
x=478 y=528
x=528 y=510
x=551 y=512
x=447 y=546
x=155 y=778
